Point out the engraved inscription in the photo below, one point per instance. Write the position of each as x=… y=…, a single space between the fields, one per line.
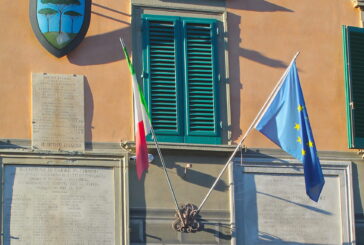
x=58 y=206
x=58 y=112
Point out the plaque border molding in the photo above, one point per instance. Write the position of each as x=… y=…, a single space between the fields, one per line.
x=342 y=169
x=121 y=181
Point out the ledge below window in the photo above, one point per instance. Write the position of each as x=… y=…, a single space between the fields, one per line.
x=358 y=3
x=183 y=146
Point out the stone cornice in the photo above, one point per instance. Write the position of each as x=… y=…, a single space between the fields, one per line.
x=358 y=3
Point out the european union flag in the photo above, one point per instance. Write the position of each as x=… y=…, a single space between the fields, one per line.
x=285 y=122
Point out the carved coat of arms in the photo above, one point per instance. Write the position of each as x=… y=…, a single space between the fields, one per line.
x=60 y=25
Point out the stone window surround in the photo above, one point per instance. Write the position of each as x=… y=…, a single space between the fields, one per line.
x=360 y=4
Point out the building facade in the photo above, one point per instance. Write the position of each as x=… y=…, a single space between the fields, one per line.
x=206 y=68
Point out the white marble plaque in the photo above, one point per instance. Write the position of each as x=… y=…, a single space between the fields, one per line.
x=58 y=112
x=272 y=207
x=58 y=206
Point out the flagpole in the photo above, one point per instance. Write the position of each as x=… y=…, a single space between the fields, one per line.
x=256 y=119
x=158 y=149
x=166 y=174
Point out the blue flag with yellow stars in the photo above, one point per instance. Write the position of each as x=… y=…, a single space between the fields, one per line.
x=285 y=122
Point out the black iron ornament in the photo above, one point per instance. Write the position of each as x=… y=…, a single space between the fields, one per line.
x=187 y=221
x=60 y=25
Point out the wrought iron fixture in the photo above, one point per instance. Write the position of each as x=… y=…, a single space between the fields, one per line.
x=189 y=222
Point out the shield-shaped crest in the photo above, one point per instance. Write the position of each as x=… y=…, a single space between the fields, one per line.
x=60 y=25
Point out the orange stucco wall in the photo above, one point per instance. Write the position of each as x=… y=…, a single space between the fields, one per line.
x=263 y=38
x=98 y=58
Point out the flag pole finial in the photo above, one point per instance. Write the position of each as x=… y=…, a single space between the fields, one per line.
x=295 y=56
x=122 y=42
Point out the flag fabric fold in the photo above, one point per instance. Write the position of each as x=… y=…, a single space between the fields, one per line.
x=142 y=125
x=285 y=122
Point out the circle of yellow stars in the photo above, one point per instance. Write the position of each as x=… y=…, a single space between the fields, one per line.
x=297 y=126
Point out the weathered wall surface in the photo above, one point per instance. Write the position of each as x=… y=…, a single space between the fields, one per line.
x=151 y=202
x=263 y=38
x=98 y=58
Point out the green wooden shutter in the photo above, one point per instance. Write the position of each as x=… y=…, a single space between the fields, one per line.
x=160 y=76
x=353 y=44
x=201 y=81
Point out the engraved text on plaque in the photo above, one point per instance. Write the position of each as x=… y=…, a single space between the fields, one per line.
x=59 y=205
x=58 y=112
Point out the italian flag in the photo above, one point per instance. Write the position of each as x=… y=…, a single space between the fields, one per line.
x=142 y=124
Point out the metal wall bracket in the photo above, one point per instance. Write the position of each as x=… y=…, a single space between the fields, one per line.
x=360 y=4
x=189 y=222
x=361 y=153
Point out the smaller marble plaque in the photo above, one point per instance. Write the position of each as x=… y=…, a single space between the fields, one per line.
x=58 y=112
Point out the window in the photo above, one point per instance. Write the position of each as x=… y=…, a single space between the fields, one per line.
x=353 y=40
x=181 y=78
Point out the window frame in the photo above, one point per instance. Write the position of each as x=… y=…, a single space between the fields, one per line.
x=162 y=135
x=215 y=11
x=184 y=134
x=354 y=141
x=216 y=84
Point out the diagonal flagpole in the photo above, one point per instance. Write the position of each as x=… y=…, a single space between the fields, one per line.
x=257 y=119
x=166 y=174
x=158 y=149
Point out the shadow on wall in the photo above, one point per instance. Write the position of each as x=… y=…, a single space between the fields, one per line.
x=150 y=224
x=257 y=5
x=194 y=177
x=305 y=206
x=356 y=188
x=210 y=3
x=103 y=48
x=252 y=5
x=89 y=113
x=100 y=49
x=217 y=231
x=138 y=207
x=190 y=175
x=235 y=44
x=6 y=143
x=247 y=197
x=9 y=178
x=113 y=11
x=95 y=50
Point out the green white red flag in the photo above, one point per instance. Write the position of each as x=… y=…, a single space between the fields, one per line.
x=142 y=125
